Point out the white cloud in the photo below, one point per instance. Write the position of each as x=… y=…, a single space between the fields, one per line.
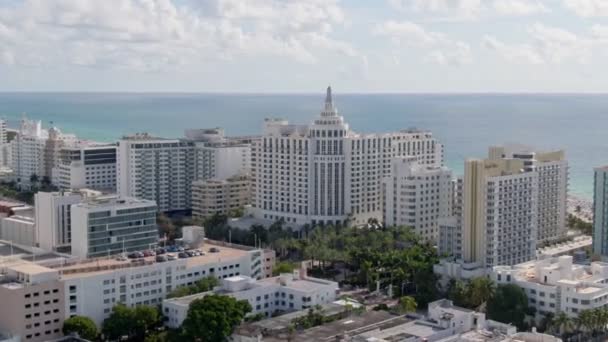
x=470 y=9
x=548 y=45
x=588 y=8
x=461 y=8
x=440 y=48
x=519 y=7
x=158 y=34
x=521 y=53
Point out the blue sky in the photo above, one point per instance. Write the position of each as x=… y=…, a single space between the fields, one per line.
x=302 y=45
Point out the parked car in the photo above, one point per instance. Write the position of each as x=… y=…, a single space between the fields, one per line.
x=171 y=249
x=214 y=250
x=136 y=255
x=149 y=253
x=122 y=258
x=171 y=257
x=161 y=258
x=160 y=251
x=183 y=255
x=190 y=253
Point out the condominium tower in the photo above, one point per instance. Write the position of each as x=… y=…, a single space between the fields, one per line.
x=499 y=212
x=156 y=169
x=417 y=196
x=325 y=173
x=552 y=169
x=600 y=211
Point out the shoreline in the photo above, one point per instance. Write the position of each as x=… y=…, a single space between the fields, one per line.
x=581 y=207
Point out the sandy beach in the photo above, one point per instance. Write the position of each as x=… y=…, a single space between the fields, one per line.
x=580 y=207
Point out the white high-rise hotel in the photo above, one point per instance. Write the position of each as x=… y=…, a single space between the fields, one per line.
x=326 y=173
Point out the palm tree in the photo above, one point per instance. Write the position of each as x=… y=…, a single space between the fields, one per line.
x=407 y=304
x=480 y=290
x=562 y=323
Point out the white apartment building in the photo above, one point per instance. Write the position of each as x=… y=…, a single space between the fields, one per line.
x=109 y=225
x=93 y=287
x=326 y=173
x=86 y=165
x=156 y=169
x=417 y=196
x=552 y=169
x=557 y=285
x=285 y=293
x=600 y=211
x=5 y=148
x=53 y=216
x=34 y=151
x=217 y=156
x=28 y=151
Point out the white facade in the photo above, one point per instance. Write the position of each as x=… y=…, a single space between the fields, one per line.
x=286 y=293
x=109 y=225
x=326 y=173
x=156 y=169
x=93 y=288
x=557 y=285
x=552 y=169
x=19 y=230
x=53 y=217
x=417 y=196
x=90 y=166
x=222 y=160
x=28 y=151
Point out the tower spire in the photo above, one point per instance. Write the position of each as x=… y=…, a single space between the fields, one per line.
x=329 y=102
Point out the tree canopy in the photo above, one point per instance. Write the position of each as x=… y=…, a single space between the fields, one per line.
x=81 y=325
x=213 y=317
x=509 y=304
x=130 y=322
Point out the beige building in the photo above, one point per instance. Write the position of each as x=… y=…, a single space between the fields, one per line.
x=220 y=196
x=499 y=212
x=32 y=302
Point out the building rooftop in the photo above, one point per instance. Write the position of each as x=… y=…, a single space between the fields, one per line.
x=112 y=201
x=97 y=266
x=353 y=325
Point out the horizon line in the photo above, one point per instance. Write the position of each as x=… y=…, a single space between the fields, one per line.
x=307 y=92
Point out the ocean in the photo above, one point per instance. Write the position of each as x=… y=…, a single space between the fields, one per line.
x=465 y=123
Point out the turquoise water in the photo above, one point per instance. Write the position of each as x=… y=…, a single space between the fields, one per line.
x=467 y=124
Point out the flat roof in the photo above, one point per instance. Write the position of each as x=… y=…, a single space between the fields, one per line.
x=354 y=325
x=306 y=285
x=30 y=268
x=92 y=267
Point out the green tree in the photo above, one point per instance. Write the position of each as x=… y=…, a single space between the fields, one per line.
x=214 y=317
x=145 y=318
x=120 y=323
x=562 y=324
x=407 y=304
x=282 y=267
x=83 y=326
x=480 y=290
x=508 y=305
x=166 y=227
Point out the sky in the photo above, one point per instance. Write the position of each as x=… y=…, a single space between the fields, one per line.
x=302 y=45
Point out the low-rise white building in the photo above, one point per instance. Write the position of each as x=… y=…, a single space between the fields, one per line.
x=18 y=229
x=557 y=285
x=53 y=216
x=285 y=293
x=108 y=225
x=93 y=287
